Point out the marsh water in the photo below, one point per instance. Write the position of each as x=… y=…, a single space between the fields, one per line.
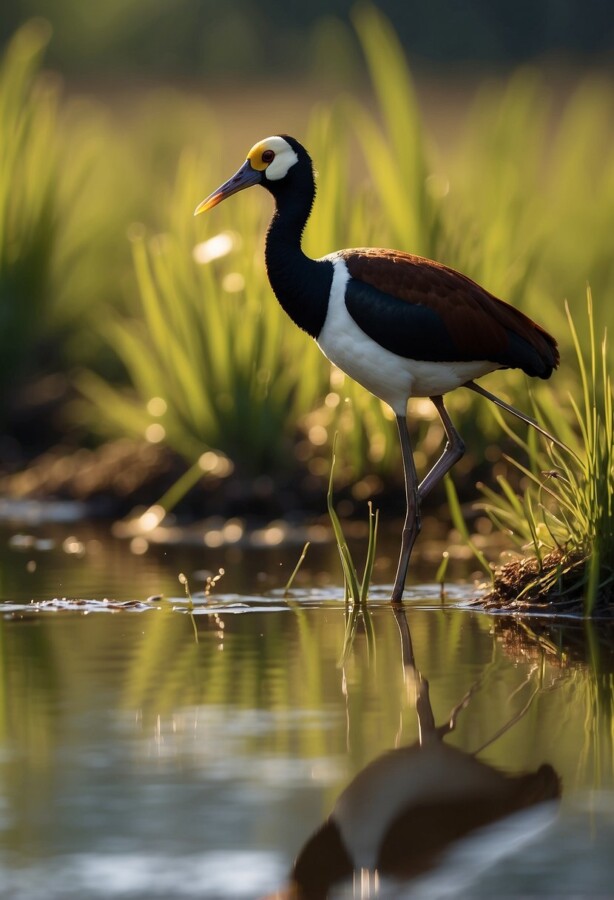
x=152 y=750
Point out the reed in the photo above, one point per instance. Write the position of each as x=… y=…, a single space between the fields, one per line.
x=28 y=202
x=564 y=518
x=355 y=588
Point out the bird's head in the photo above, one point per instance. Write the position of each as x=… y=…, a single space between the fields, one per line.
x=274 y=163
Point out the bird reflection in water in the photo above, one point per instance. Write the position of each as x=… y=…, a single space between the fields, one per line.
x=398 y=815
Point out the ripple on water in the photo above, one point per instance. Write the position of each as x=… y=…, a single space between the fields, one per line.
x=419 y=596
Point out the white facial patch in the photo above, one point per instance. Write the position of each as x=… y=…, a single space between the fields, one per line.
x=285 y=157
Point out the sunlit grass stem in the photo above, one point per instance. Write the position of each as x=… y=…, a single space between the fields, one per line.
x=355 y=588
x=184 y=581
x=567 y=507
x=300 y=562
x=440 y=576
x=458 y=520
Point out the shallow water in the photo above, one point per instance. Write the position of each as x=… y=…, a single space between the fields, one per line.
x=149 y=752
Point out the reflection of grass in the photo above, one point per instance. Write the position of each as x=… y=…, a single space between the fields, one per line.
x=565 y=517
x=600 y=707
x=582 y=653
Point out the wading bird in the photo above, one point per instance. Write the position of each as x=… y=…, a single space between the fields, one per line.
x=400 y=325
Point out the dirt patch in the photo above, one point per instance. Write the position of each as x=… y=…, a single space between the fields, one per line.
x=120 y=476
x=112 y=476
x=554 y=585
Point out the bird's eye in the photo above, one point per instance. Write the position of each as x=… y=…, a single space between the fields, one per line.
x=268 y=156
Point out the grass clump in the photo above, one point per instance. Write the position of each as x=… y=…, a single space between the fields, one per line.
x=565 y=517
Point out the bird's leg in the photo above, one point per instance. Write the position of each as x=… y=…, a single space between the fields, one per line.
x=411 y=526
x=453 y=451
x=520 y=415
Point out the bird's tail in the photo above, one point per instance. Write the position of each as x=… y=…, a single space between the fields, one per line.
x=516 y=412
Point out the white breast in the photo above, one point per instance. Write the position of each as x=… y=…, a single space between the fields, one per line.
x=392 y=378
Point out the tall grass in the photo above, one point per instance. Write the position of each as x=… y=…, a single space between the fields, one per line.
x=565 y=516
x=73 y=176
x=211 y=362
x=525 y=207
x=28 y=179
x=395 y=145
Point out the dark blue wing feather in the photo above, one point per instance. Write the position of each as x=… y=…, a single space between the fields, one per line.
x=407 y=329
x=419 y=331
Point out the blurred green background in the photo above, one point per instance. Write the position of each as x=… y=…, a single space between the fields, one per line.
x=242 y=38
x=479 y=134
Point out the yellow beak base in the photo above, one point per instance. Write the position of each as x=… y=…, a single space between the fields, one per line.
x=244 y=178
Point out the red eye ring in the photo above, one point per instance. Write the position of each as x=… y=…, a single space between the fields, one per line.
x=268 y=156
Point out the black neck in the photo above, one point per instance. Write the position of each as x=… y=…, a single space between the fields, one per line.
x=302 y=285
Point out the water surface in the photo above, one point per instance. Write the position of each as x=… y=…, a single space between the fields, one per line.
x=147 y=752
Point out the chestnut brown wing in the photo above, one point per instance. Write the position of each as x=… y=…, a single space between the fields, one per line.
x=423 y=310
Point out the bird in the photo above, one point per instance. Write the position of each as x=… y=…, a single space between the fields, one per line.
x=400 y=325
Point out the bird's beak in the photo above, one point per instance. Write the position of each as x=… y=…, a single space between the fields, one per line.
x=244 y=178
